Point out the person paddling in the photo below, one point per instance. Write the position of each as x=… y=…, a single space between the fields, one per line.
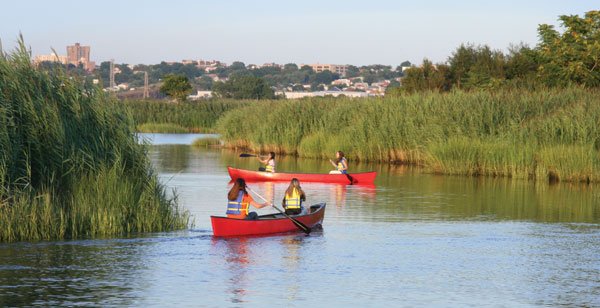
x=239 y=203
x=269 y=163
x=294 y=195
x=341 y=164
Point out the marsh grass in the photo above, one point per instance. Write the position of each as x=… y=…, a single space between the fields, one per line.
x=163 y=128
x=70 y=165
x=549 y=134
x=168 y=117
x=206 y=142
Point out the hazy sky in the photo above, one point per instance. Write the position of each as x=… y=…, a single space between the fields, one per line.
x=259 y=31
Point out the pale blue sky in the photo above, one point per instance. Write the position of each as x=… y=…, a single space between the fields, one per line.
x=259 y=31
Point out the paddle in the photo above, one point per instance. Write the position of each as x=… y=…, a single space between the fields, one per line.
x=252 y=155
x=247 y=155
x=350 y=178
x=298 y=224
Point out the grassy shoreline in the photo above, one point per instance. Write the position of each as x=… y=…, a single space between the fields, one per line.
x=543 y=135
x=153 y=116
x=549 y=135
x=70 y=165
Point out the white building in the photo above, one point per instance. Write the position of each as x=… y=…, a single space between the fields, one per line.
x=296 y=95
x=200 y=95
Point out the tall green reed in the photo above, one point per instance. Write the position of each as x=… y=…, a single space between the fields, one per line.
x=504 y=133
x=70 y=164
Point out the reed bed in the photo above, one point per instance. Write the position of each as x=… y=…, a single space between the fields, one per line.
x=163 y=128
x=549 y=134
x=190 y=117
x=70 y=165
x=207 y=142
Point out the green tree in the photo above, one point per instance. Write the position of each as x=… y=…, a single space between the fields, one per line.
x=352 y=71
x=522 y=62
x=237 y=65
x=427 y=77
x=290 y=67
x=204 y=83
x=460 y=63
x=243 y=87
x=176 y=86
x=574 y=55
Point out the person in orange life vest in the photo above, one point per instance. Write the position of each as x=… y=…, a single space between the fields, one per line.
x=294 y=195
x=269 y=163
x=239 y=203
x=341 y=164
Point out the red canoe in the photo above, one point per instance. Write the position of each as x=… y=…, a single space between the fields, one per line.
x=266 y=224
x=352 y=178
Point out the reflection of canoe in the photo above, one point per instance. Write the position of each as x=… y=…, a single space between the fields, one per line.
x=266 y=224
x=248 y=175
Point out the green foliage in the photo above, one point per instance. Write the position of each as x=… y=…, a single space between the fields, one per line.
x=70 y=165
x=520 y=134
x=243 y=87
x=559 y=60
x=163 y=128
x=205 y=142
x=176 y=86
x=427 y=77
x=165 y=117
x=574 y=55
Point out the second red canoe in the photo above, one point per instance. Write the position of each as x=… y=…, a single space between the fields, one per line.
x=352 y=178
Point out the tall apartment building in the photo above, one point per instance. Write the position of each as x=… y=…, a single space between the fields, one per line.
x=334 y=68
x=80 y=54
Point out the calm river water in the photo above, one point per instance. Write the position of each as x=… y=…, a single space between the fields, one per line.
x=409 y=240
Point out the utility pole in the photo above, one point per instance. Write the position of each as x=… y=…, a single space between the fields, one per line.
x=146 y=92
x=112 y=73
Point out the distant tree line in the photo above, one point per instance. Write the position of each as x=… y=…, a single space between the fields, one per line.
x=560 y=59
x=286 y=76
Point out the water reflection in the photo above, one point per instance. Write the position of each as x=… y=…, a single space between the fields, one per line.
x=236 y=252
x=400 y=193
x=174 y=158
x=338 y=193
x=425 y=240
x=65 y=273
x=292 y=249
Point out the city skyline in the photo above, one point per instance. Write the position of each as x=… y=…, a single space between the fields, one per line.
x=349 y=32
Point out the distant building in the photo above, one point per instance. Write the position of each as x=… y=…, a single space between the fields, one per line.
x=342 y=81
x=204 y=64
x=336 y=93
x=77 y=54
x=200 y=95
x=272 y=65
x=50 y=58
x=334 y=68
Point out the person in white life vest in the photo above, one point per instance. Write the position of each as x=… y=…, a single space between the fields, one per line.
x=341 y=164
x=269 y=163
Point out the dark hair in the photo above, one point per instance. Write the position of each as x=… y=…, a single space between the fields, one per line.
x=271 y=155
x=239 y=185
x=341 y=156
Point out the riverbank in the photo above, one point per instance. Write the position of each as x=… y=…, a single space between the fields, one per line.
x=549 y=135
x=70 y=165
x=545 y=135
x=160 y=116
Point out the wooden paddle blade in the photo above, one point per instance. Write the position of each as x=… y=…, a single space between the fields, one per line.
x=247 y=155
